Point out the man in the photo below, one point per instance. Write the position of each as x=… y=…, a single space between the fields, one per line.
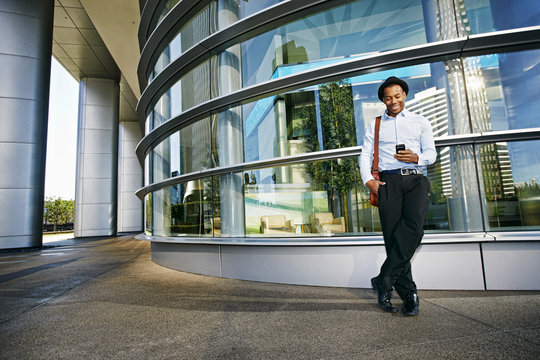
x=403 y=191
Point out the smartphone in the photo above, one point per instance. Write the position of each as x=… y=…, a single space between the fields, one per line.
x=400 y=147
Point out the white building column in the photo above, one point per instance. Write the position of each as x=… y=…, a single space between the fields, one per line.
x=97 y=158
x=25 y=67
x=130 y=213
x=130 y=173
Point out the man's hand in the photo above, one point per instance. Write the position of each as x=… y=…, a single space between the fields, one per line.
x=373 y=185
x=407 y=156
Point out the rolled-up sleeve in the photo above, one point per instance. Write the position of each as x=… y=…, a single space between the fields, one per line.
x=366 y=158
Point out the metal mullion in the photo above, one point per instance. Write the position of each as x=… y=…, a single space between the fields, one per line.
x=148 y=12
x=489 y=137
x=250 y=26
x=260 y=164
x=509 y=135
x=470 y=139
x=436 y=51
x=161 y=36
x=391 y=59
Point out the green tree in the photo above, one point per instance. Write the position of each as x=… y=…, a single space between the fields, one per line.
x=58 y=211
x=528 y=190
x=338 y=176
x=148 y=210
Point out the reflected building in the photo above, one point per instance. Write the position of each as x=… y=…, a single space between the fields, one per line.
x=497 y=170
x=432 y=104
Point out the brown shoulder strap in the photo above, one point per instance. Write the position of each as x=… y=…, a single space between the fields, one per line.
x=375 y=166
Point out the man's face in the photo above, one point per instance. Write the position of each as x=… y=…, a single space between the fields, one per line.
x=394 y=99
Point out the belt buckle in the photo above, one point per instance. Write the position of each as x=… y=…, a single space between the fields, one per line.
x=409 y=172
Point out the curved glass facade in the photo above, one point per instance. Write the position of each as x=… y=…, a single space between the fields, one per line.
x=283 y=162
x=203 y=24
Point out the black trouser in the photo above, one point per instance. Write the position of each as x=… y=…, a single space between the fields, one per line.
x=403 y=207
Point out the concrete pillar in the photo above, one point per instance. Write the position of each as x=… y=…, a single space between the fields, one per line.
x=230 y=137
x=130 y=173
x=25 y=66
x=97 y=158
x=129 y=178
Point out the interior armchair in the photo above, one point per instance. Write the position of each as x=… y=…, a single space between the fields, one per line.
x=276 y=224
x=326 y=223
x=216 y=225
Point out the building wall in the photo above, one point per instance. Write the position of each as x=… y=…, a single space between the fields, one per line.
x=130 y=173
x=255 y=140
x=25 y=61
x=130 y=216
x=97 y=158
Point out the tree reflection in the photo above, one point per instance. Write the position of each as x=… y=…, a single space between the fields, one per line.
x=336 y=129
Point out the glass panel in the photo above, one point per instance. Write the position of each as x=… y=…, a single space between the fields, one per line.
x=228 y=12
x=191 y=90
x=511 y=174
x=203 y=25
x=248 y=8
x=285 y=201
x=323 y=197
x=184 y=209
x=455 y=203
x=214 y=223
x=185 y=151
x=227 y=145
x=301 y=46
x=195 y=87
x=226 y=72
x=483 y=16
x=191 y=148
x=147 y=168
x=328 y=198
x=161 y=161
x=503 y=90
x=358 y=29
x=162 y=110
x=334 y=115
x=148 y=214
x=195 y=30
x=304 y=121
x=166 y=8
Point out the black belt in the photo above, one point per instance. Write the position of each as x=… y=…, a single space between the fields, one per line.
x=402 y=172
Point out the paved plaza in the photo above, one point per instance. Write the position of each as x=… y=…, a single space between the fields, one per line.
x=103 y=298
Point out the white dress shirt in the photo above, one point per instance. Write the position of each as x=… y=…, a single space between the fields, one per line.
x=406 y=128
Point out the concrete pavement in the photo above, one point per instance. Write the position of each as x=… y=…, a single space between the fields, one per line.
x=103 y=298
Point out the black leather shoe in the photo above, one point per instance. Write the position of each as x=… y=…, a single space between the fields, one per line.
x=387 y=306
x=410 y=304
x=383 y=296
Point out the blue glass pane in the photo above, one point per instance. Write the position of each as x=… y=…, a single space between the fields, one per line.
x=359 y=28
x=511 y=172
x=495 y=15
x=511 y=84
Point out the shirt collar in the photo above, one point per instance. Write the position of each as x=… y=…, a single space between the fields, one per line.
x=403 y=113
